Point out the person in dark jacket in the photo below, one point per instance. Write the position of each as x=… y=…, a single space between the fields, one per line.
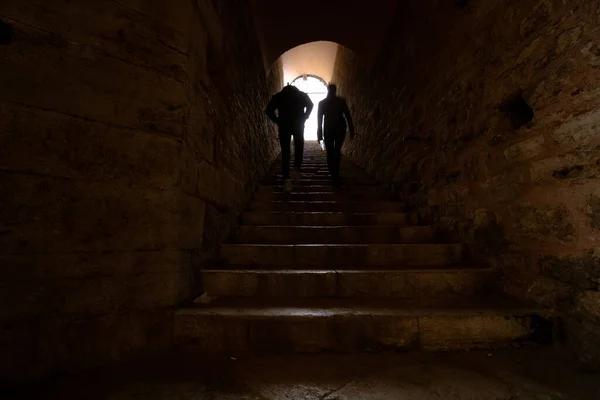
x=333 y=119
x=289 y=109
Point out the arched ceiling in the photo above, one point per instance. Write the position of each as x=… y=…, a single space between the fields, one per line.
x=359 y=25
x=316 y=58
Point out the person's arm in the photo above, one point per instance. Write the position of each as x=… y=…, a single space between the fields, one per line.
x=320 y=122
x=309 y=106
x=348 y=119
x=270 y=111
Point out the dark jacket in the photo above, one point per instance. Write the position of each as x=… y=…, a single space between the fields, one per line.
x=292 y=105
x=333 y=113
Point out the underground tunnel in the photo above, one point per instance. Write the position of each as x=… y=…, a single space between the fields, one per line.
x=144 y=225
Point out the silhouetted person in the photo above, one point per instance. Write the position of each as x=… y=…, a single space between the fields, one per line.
x=333 y=116
x=289 y=109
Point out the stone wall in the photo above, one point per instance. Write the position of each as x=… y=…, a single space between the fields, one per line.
x=130 y=131
x=487 y=113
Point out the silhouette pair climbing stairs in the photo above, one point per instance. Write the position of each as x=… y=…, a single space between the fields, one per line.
x=346 y=269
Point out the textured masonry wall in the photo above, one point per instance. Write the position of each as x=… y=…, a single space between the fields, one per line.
x=443 y=118
x=130 y=133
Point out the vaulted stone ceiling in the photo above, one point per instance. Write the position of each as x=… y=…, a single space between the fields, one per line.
x=285 y=24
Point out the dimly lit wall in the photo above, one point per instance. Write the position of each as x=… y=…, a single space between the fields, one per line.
x=445 y=117
x=131 y=132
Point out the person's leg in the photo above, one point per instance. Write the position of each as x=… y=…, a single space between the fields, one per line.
x=298 y=146
x=330 y=150
x=284 y=140
x=338 y=144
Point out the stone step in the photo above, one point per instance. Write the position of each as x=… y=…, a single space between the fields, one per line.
x=351 y=177
x=415 y=284
x=333 y=206
x=348 y=325
x=318 y=170
x=334 y=234
x=321 y=196
x=327 y=218
x=350 y=190
x=321 y=181
x=343 y=256
x=317 y=164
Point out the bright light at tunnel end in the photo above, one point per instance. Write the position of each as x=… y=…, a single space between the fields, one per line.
x=316 y=88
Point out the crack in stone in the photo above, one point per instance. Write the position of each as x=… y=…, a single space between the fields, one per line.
x=326 y=395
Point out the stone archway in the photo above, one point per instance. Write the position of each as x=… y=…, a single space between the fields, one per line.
x=316 y=88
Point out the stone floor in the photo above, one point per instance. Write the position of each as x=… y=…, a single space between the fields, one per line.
x=505 y=375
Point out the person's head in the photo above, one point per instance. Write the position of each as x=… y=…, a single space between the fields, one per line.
x=331 y=89
x=288 y=88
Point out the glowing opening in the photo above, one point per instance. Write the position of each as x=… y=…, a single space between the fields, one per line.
x=316 y=89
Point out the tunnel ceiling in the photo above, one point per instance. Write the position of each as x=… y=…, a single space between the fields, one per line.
x=315 y=58
x=358 y=25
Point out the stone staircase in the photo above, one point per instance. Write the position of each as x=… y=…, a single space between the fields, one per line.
x=345 y=269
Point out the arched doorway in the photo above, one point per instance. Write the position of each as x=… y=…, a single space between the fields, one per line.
x=316 y=88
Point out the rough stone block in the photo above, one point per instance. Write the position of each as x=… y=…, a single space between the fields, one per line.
x=150 y=291
x=24 y=298
x=588 y=302
x=177 y=15
x=582 y=339
x=90 y=284
x=200 y=134
x=44 y=214
x=144 y=332
x=566 y=167
x=18 y=348
x=549 y=292
x=52 y=73
x=581 y=272
x=188 y=164
x=66 y=146
x=230 y=190
x=525 y=150
x=208 y=182
x=545 y=223
x=508 y=185
x=49 y=267
x=89 y=342
x=211 y=21
x=196 y=66
x=111 y=28
x=582 y=131
x=459 y=332
x=84 y=297
x=593 y=209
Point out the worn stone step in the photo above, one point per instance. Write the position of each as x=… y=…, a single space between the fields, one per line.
x=321 y=196
x=348 y=325
x=320 y=170
x=372 y=255
x=348 y=206
x=334 y=234
x=327 y=218
x=325 y=175
x=318 y=164
x=367 y=190
x=321 y=181
x=416 y=284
